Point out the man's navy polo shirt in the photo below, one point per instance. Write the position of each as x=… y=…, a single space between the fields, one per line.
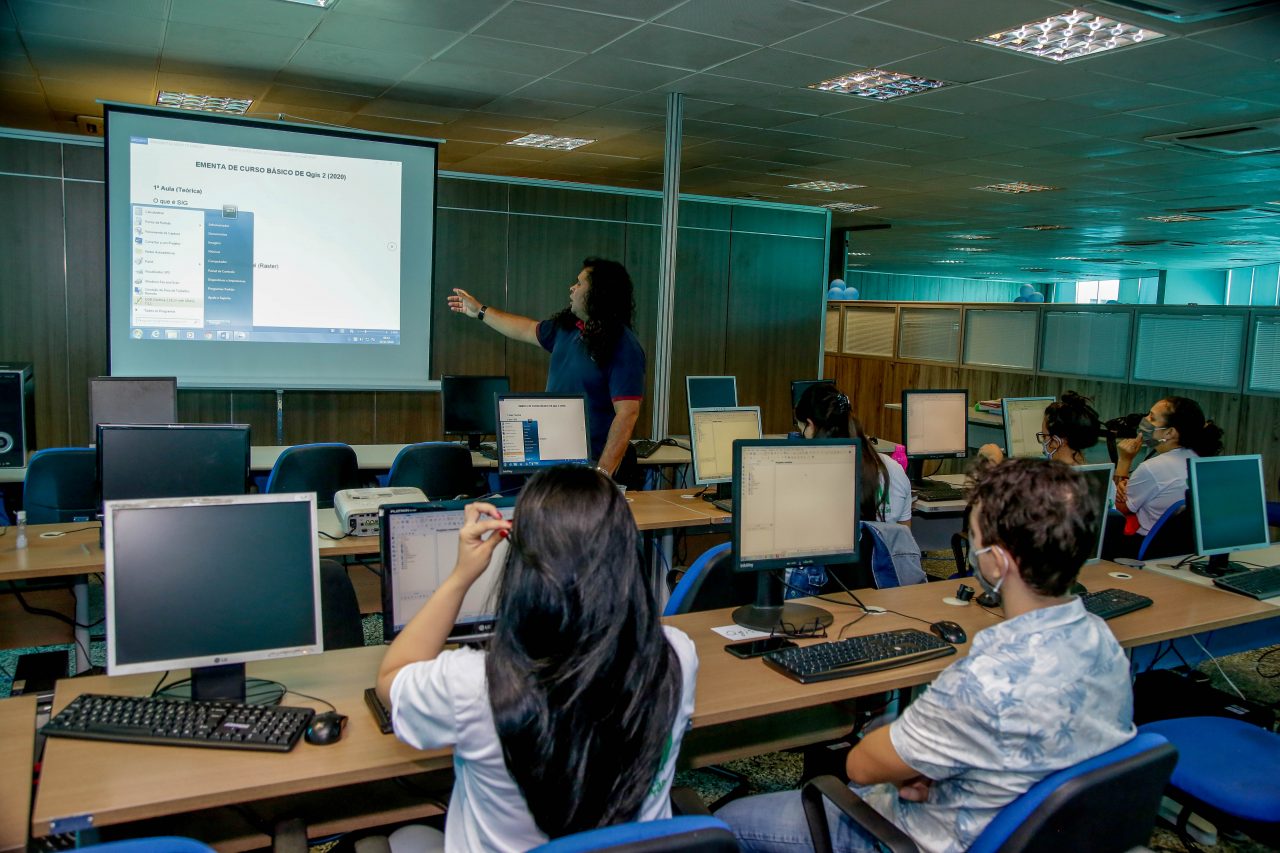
x=574 y=372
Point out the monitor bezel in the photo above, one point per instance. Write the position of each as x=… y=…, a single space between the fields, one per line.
x=171 y=381
x=504 y=467
x=792 y=562
x=906 y=394
x=693 y=441
x=1004 y=418
x=108 y=523
x=248 y=450
x=1110 y=468
x=688 y=397
x=1193 y=463
x=445 y=381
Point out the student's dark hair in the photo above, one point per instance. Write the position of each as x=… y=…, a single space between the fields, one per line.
x=611 y=304
x=1194 y=432
x=831 y=412
x=583 y=684
x=1040 y=512
x=1073 y=420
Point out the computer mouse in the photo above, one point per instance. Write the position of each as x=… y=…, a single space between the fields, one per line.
x=326 y=728
x=1078 y=588
x=949 y=631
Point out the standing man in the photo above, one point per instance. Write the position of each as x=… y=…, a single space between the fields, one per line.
x=593 y=352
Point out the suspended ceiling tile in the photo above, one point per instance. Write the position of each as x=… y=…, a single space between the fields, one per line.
x=754 y=21
x=296 y=96
x=554 y=27
x=1258 y=38
x=749 y=116
x=404 y=127
x=643 y=10
x=26 y=84
x=458 y=17
x=467 y=77
x=1212 y=111
x=53 y=56
x=196 y=48
x=606 y=70
x=781 y=67
x=677 y=48
x=939 y=18
x=510 y=56
x=89 y=23
x=409 y=111
x=286 y=111
x=863 y=43
x=573 y=93
x=282 y=19
x=377 y=34
x=372 y=71
x=972 y=99
x=518 y=106
x=966 y=63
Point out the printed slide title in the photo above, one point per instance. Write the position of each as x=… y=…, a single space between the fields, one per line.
x=268 y=170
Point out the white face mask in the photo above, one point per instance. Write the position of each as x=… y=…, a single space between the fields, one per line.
x=987 y=586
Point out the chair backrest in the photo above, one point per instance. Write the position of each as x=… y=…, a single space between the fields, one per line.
x=339 y=608
x=162 y=844
x=320 y=468
x=1106 y=804
x=711 y=583
x=61 y=485
x=1170 y=536
x=441 y=469
x=690 y=833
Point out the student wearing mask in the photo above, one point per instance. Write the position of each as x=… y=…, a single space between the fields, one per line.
x=1070 y=427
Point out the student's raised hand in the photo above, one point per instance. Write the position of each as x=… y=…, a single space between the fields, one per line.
x=483 y=528
x=915 y=790
x=991 y=452
x=1128 y=447
x=463 y=303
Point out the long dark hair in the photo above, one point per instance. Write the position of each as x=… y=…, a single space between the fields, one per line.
x=610 y=303
x=831 y=412
x=1194 y=431
x=582 y=681
x=1073 y=420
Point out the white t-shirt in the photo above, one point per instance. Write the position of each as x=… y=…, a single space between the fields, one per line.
x=1157 y=484
x=899 y=508
x=445 y=702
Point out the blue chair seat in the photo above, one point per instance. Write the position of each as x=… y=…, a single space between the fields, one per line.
x=689 y=832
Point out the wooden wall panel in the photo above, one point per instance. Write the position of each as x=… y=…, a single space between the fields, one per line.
x=405 y=417
x=87 y=292
x=329 y=416
x=643 y=260
x=700 y=316
x=471 y=253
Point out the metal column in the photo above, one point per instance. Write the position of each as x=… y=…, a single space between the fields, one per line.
x=667 y=265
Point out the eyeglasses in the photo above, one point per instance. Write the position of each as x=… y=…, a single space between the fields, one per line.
x=805 y=630
x=1043 y=437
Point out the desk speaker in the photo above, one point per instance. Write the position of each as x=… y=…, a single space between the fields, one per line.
x=17 y=414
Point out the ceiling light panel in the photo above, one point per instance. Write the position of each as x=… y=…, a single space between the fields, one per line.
x=1017 y=187
x=825 y=186
x=205 y=103
x=948 y=262
x=859 y=254
x=878 y=84
x=1044 y=227
x=555 y=143
x=971 y=237
x=1176 y=217
x=1072 y=35
x=850 y=207
x=968 y=249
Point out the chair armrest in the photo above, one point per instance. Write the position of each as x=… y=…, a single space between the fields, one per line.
x=685 y=801
x=373 y=844
x=289 y=836
x=853 y=807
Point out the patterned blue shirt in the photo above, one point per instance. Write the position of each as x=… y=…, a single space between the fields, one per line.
x=1037 y=693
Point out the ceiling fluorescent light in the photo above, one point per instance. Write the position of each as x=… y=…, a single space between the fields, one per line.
x=555 y=143
x=1176 y=217
x=850 y=207
x=859 y=254
x=1067 y=258
x=968 y=249
x=1044 y=227
x=878 y=84
x=323 y=4
x=1239 y=242
x=971 y=237
x=950 y=261
x=1071 y=35
x=1016 y=187
x=825 y=186
x=205 y=103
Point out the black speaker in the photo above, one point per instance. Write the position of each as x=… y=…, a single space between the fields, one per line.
x=17 y=414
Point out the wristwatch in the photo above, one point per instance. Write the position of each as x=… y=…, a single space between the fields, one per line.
x=480 y=313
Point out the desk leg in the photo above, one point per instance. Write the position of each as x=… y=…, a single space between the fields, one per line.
x=81 y=591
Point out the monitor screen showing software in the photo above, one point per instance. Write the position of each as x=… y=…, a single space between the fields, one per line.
x=707 y=392
x=712 y=433
x=194 y=582
x=421 y=548
x=1228 y=499
x=1101 y=491
x=796 y=502
x=541 y=430
x=172 y=460
x=1023 y=421
x=935 y=423
x=121 y=400
x=468 y=403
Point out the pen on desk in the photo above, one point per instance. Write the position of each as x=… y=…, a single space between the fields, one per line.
x=84 y=548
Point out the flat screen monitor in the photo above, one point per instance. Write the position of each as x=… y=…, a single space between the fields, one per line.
x=1023 y=421
x=468 y=404
x=1101 y=489
x=795 y=504
x=541 y=430
x=711 y=392
x=172 y=460
x=712 y=433
x=799 y=386
x=211 y=584
x=419 y=550
x=935 y=424
x=131 y=400
x=1228 y=506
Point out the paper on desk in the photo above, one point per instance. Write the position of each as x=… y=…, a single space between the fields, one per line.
x=737 y=632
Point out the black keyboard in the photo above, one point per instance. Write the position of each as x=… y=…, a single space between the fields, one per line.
x=725 y=504
x=381 y=713
x=932 y=490
x=645 y=447
x=178 y=722
x=488 y=450
x=857 y=655
x=1258 y=583
x=1110 y=603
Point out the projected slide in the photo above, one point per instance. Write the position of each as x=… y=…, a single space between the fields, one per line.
x=246 y=244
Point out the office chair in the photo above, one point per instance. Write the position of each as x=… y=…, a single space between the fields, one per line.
x=690 y=833
x=1226 y=773
x=1273 y=510
x=441 y=469
x=1106 y=804
x=61 y=486
x=1171 y=535
x=711 y=583
x=160 y=844
x=320 y=468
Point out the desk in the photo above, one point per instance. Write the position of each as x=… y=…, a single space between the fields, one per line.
x=17 y=754
x=118 y=783
x=934 y=522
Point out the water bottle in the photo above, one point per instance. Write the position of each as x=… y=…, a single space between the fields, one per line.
x=22 y=530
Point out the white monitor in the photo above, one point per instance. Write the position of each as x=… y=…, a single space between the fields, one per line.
x=1023 y=421
x=541 y=430
x=712 y=433
x=1102 y=493
x=1229 y=504
x=935 y=423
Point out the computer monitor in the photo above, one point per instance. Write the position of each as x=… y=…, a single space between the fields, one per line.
x=172 y=460
x=935 y=425
x=541 y=430
x=211 y=584
x=795 y=503
x=799 y=386
x=711 y=392
x=712 y=433
x=467 y=404
x=419 y=550
x=1023 y=421
x=1101 y=488
x=1228 y=506
x=131 y=400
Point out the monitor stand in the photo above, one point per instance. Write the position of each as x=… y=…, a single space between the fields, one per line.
x=723 y=492
x=473 y=442
x=1217 y=566
x=915 y=471
x=770 y=613
x=221 y=683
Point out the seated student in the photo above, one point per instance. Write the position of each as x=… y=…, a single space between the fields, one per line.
x=1174 y=430
x=573 y=717
x=1070 y=427
x=1045 y=689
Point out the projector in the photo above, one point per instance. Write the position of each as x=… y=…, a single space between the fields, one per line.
x=358 y=508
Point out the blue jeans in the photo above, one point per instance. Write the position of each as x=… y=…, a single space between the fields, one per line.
x=776 y=822
x=805 y=581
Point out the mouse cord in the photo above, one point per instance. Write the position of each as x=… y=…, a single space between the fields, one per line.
x=312 y=698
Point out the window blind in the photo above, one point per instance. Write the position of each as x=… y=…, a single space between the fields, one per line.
x=1264 y=372
x=1000 y=338
x=868 y=331
x=929 y=334
x=1086 y=343
x=831 y=340
x=1203 y=350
